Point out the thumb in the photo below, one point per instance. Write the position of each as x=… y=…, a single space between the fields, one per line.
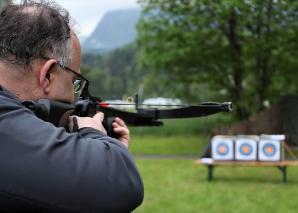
x=99 y=116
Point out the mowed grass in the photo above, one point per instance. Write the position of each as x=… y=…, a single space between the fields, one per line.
x=174 y=183
x=181 y=186
x=176 y=136
x=191 y=145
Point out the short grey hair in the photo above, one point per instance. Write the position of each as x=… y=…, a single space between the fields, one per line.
x=32 y=30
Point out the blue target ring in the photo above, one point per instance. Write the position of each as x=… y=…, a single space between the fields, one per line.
x=269 y=150
x=246 y=149
x=222 y=149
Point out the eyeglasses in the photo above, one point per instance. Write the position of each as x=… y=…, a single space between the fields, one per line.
x=80 y=84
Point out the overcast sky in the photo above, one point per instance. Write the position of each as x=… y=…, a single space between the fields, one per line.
x=87 y=13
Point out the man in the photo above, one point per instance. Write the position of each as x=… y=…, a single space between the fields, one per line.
x=44 y=168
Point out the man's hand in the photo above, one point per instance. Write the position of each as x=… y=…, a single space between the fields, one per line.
x=93 y=122
x=120 y=128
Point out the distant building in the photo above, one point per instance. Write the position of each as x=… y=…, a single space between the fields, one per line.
x=162 y=102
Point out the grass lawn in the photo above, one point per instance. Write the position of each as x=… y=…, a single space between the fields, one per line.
x=168 y=145
x=178 y=185
x=174 y=183
x=181 y=186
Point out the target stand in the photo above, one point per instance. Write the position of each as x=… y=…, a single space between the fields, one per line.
x=281 y=165
x=262 y=151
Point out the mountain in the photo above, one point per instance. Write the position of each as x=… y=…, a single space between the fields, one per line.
x=82 y=38
x=116 y=29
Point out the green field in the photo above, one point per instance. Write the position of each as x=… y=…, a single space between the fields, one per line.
x=180 y=186
x=179 y=145
x=173 y=183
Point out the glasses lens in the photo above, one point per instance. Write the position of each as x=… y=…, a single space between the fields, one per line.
x=78 y=87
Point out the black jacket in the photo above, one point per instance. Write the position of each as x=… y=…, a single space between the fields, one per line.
x=45 y=169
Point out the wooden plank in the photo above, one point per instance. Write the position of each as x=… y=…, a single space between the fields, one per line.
x=246 y=163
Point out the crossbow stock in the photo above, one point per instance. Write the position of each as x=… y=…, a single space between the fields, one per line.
x=58 y=112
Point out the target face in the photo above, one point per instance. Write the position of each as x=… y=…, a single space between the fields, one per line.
x=246 y=149
x=270 y=150
x=222 y=148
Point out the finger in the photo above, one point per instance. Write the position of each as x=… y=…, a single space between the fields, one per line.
x=115 y=125
x=120 y=121
x=117 y=128
x=121 y=130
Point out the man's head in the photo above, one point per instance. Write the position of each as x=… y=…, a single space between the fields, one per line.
x=36 y=42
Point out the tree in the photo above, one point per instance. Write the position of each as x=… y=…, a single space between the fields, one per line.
x=115 y=74
x=242 y=48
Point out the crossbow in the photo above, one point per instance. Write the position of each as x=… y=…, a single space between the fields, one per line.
x=58 y=112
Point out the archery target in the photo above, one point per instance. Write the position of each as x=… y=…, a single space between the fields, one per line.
x=270 y=150
x=222 y=148
x=246 y=149
x=274 y=137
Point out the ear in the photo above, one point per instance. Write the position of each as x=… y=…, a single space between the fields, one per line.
x=45 y=75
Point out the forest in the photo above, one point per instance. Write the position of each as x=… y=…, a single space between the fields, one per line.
x=240 y=51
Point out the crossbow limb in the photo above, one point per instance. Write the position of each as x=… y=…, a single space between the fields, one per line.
x=58 y=112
